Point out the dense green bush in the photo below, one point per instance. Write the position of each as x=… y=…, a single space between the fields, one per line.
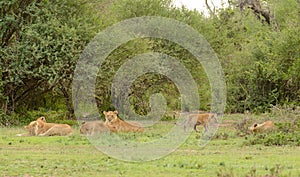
x=277 y=138
x=51 y=116
x=42 y=40
x=3 y=118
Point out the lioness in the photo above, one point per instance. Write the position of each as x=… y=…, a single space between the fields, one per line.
x=32 y=128
x=199 y=119
x=115 y=124
x=263 y=127
x=93 y=128
x=51 y=129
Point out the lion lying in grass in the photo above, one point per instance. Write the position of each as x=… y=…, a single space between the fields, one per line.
x=31 y=128
x=94 y=127
x=115 y=124
x=41 y=128
x=263 y=127
x=52 y=129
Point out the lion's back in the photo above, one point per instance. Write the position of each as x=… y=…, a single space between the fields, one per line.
x=123 y=126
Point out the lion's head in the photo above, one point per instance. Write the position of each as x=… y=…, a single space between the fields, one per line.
x=43 y=119
x=32 y=128
x=110 y=116
x=83 y=128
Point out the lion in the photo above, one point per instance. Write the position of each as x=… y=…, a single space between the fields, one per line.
x=199 y=119
x=51 y=129
x=115 y=124
x=32 y=128
x=263 y=127
x=93 y=128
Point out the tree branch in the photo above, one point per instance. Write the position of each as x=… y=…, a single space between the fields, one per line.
x=209 y=8
x=259 y=12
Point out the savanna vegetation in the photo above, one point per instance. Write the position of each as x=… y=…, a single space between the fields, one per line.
x=229 y=153
x=257 y=43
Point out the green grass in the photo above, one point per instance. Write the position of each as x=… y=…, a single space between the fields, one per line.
x=75 y=156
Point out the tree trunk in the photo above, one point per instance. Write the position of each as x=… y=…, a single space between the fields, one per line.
x=263 y=15
x=68 y=101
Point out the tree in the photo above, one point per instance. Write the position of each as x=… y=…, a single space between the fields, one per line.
x=263 y=14
x=41 y=42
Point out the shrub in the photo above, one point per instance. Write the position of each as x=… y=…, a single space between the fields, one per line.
x=3 y=119
x=242 y=126
x=10 y=120
x=289 y=117
x=69 y=122
x=51 y=116
x=277 y=138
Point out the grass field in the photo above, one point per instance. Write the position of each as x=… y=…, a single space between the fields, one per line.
x=74 y=156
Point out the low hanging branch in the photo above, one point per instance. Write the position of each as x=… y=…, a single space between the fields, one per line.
x=263 y=15
x=212 y=12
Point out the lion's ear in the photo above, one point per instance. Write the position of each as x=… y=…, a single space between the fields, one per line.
x=83 y=123
x=116 y=112
x=255 y=125
x=43 y=119
x=104 y=112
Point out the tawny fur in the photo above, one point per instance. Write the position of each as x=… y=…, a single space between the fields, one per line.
x=115 y=124
x=199 y=119
x=93 y=128
x=51 y=129
x=263 y=127
x=32 y=127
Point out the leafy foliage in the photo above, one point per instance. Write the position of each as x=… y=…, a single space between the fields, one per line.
x=42 y=40
x=278 y=139
x=40 y=52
